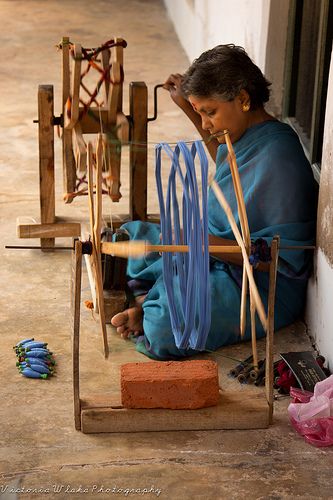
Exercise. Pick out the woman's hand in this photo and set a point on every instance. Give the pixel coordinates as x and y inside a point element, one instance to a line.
<point>173,85</point>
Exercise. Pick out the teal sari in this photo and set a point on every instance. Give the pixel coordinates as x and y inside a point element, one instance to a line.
<point>281,198</point>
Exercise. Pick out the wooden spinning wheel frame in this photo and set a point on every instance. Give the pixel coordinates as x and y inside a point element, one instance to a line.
<point>79,118</point>
<point>236,410</point>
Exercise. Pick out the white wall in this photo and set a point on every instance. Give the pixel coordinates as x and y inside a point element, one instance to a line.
<point>202,24</point>
<point>319,315</point>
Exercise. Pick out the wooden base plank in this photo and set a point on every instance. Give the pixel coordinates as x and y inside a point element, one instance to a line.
<point>236,410</point>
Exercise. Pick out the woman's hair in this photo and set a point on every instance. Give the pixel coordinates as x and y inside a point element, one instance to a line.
<point>222,72</point>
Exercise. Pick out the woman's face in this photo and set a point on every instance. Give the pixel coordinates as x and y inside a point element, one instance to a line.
<point>217,116</point>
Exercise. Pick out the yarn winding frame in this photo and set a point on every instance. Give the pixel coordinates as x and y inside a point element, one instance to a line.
<point>80,118</point>
<point>236,409</point>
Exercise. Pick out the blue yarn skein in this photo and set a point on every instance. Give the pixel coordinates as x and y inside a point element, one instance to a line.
<point>189,272</point>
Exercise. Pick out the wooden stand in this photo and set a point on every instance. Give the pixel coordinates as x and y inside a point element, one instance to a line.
<point>75,121</point>
<point>236,410</point>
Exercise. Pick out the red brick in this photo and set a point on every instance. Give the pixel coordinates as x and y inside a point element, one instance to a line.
<point>170,384</point>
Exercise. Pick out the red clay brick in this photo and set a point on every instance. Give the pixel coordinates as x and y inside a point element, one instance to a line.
<point>169,384</point>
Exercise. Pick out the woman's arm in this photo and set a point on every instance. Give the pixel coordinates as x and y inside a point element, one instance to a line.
<point>173,85</point>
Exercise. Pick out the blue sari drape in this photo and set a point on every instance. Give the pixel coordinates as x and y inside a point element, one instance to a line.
<point>280,196</point>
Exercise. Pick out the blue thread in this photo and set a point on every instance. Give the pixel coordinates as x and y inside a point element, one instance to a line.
<point>187,271</point>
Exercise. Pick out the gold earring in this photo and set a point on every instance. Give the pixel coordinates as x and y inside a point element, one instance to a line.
<point>246,107</point>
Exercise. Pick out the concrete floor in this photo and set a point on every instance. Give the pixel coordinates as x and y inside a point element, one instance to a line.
<point>39,445</point>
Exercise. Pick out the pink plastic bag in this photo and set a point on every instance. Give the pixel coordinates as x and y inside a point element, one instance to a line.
<point>313,417</point>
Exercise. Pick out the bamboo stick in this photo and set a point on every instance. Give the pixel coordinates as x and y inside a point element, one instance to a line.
<point>95,215</point>
<point>243,223</point>
<point>253,287</point>
<point>247,241</point>
<point>97,238</point>
<point>238,189</point>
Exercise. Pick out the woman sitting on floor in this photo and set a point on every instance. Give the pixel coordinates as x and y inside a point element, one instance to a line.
<point>224,89</point>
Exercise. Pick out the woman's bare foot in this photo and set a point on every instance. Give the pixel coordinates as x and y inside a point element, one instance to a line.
<point>130,321</point>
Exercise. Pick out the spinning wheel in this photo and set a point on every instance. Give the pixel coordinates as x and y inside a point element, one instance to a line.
<point>103,414</point>
<point>91,110</point>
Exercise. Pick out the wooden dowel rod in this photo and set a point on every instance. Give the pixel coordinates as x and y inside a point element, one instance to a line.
<point>184,248</point>
<point>138,248</point>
